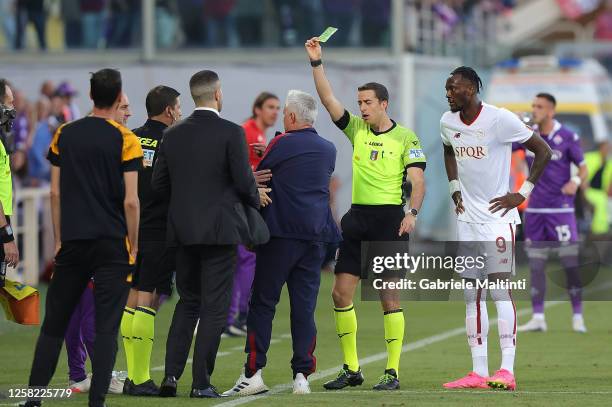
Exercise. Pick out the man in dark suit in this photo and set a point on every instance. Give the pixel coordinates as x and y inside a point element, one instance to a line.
<point>203,165</point>
<point>301,226</point>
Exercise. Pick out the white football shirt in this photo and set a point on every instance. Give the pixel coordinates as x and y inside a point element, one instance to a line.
<point>483,151</point>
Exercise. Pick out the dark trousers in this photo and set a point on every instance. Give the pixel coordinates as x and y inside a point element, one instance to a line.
<point>75,264</point>
<point>38,18</point>
<point>204,277</point>
<point>297,263</point>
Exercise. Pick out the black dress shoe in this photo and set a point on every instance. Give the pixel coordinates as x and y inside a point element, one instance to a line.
<point>208,393</point>
<point>147,388</point>
<point>168,387</point>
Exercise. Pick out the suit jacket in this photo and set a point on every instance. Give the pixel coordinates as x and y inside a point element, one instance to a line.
<point>302,163</point>
<point>203,165</point>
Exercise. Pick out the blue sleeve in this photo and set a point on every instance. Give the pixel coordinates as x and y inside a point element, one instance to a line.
<point>274,156</point>
<point>334,154</point>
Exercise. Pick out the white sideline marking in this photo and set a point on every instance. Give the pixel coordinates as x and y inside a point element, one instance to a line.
<point>229,352</point>
<point>189,361</point>
<point>421,343</point>
<point>483,391</point>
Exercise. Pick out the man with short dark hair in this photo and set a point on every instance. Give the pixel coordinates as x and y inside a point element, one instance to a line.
<point>9,254</point>
<point>95,228</point>
<point>203,166</point>
<point>155,262</point>
<point>385,156</point>
<point>477,139</point>
<point>550,219</point>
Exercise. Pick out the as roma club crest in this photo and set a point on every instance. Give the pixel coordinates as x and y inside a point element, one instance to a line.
<point>374,155</point>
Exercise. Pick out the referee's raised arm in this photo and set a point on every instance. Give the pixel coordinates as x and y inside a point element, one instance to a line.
<point>324,89</point>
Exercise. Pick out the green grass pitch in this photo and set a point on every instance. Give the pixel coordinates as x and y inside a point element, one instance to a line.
<point>556,368</point>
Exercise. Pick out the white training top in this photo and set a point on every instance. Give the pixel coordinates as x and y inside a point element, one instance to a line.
<point>483,151</point>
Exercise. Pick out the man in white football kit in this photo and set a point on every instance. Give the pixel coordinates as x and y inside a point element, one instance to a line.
<point>477,140</point>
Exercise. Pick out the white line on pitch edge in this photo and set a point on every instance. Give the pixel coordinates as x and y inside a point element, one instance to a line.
<point>421,343</point>
<point>229,352</point>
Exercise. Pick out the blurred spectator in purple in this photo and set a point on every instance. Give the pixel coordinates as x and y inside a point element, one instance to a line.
<point>38,166</point>
<point>70,109</point>
<point>7,17</point>
<point>340,14</point>
<point>122,21</point>
<point>92,22</point>
<point>220,23</point>
<point>71,16</point>
<point>375,23</point>
<point>21,125</point>
<point>30,11</point>
<point>447,15</point>
<point>166,21</point>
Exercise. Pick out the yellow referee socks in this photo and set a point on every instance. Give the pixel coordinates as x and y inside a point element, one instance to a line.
<point>394,336</point>
<point>346,328</point>
<point>126,333</point>
<point>143,333</point>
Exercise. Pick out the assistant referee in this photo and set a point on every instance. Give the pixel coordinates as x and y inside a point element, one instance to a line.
<point>95,210</point>
<point>384,152</point>
<point>156,262</point>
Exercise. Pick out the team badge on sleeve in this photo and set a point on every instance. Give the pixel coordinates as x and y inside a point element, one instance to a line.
<point>415,153</point>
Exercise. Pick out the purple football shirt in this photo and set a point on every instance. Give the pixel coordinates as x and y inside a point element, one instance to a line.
<point>565,145</point>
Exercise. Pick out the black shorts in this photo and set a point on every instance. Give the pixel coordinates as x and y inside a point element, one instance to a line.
<point>366,223</point>
<point>154,267</point>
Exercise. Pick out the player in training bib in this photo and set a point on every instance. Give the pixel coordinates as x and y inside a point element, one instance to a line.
<point>477,140</point>
<point>384,153</point>
<point>550,221</point>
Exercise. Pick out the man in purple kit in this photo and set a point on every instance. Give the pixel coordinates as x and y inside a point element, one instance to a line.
<point>550,215</point>
<point>79,341</point>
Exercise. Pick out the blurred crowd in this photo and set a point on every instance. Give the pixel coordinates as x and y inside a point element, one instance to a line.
<point>34,127</point>
<point>454,12</point>
<point>216,23</point>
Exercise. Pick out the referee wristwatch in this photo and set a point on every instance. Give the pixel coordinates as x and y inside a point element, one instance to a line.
<point>413,212</point>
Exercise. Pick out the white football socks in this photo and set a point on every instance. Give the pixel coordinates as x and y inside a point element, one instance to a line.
<point>477,329</point>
